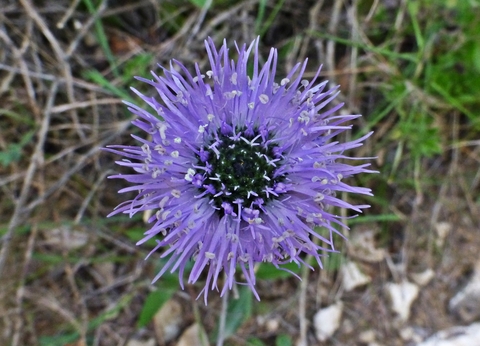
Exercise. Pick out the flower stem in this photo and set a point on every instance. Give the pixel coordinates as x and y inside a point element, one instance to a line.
<point>223,318</point>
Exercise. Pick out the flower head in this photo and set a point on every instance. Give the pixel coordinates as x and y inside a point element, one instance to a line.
<point>237,168</point>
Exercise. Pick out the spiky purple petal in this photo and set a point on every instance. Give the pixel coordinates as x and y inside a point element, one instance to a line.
<point>237,168</point>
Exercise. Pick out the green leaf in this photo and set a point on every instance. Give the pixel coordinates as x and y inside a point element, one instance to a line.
<point>153,303</point>
<point>59,340</point>
<point>262,4</point>
<point>96,77</point>
<point>476,56</point>
<point>333,261</point>
<point>269,21</point>
<point>137,66</point>
<point>199,3</point>
<point>255,342</point>
<point>102,38</point>
<point>283,340</point>
<point>238,311</point>
<point>23,116</point>
<point>267,271</point>
<point>13,152</point>
<point>374,218</point>
<point>412,57</point>
<point>454,102</point>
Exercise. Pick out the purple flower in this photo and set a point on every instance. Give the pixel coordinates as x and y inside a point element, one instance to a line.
<point>237,168</point>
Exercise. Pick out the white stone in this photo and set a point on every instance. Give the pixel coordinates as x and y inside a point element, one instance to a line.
<point>326,321</point>
<point>442,229</point>
<point>347,326</point>
<point>353,277</point>
<point>362,246</point>
<point>423,278</point>
<point>193,336</point>
<point>105,273</point>
<point>402,296</point>
<point>466,303</point>
<point>406,333</point>
<point>133,342</point>
<point>456,336</point>
<point>167,321</point>
<point>367,336</point>
<point>409,334</point>
<point>272,325</point>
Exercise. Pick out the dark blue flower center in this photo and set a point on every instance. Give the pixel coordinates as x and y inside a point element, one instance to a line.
<point>242,170</point>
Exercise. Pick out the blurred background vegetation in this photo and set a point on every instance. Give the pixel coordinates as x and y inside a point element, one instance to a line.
<point>72,277</point>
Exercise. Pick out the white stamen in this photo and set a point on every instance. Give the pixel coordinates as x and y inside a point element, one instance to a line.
<point>303,117</point>
<point>216,178</point>
<point>165,214</point>
<point>162,127</point>
<point>163,201</point>
<point>229,95</point>
<point>146,149</point>
<point>271,162</point>
<point>201,128</point>
<point>156,172</point>
<point>190,173</point>
<point>244,258</point>
<point>174,154</point>
<point>160,149</point>
<point>176,193</point>
<point>233,78</point>
<point>268,258</point>
<point>263,98</point>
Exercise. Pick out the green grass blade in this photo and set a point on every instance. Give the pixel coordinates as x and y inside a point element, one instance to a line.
<point>102,39</point>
